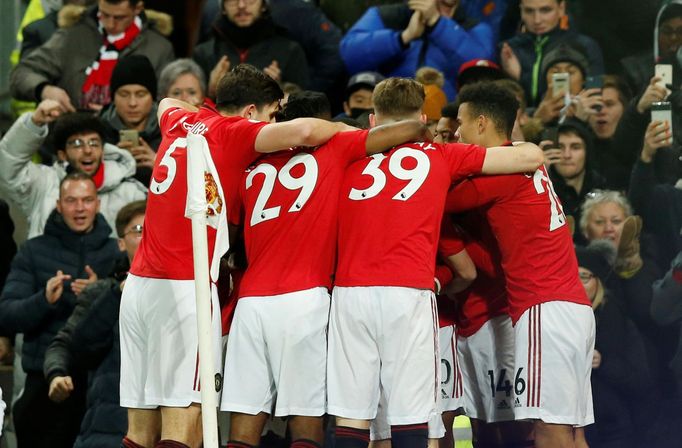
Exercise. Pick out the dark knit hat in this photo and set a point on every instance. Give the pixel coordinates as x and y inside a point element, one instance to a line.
<point>598,258</point>
<point>565,53</point>
<point>133,69</point>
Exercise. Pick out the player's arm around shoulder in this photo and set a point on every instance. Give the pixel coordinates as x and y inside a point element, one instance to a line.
<point>524,157</point>
<point>299,132</point>
<point>170,103</point>
<point>381,138</point>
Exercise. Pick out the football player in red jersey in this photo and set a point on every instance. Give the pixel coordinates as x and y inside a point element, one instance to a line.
<point>159,358</point>
<point>277,348</point>
<point>383,331</point>
<point>552,317</point>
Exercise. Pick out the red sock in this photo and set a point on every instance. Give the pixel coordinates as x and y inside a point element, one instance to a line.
<point>305,443</point>
<point>233,444</point>
<point>127,443</point>
<point>170,444</point>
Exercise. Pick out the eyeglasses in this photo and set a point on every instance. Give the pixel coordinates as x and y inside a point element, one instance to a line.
<point>234,3</point>
<point>79,143</point>
<point>137,228</point>
<point>585,277</point>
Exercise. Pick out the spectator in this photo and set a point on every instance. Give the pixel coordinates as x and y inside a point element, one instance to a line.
<point>434,99</point>
<point>659,204</point>
<point>133,85</point>
<point>245,33</point>
<point>522,55</point>
<point>489,11</point>
<point>570,168</point>
<point>183,79</point>
<point>78,138</point>
<point>633,126</point>
<point>447,125</point>
<point>398,39</point>
<point>38,32</point>
<point>358,95</point>
<point>621,380</point>
<point>89,340</point>
<point>606,155</point>
<point>74,67</point>
<point>46,276</point>
<point>478,70</point>
<point>7,245</point>
<point>638,69</point>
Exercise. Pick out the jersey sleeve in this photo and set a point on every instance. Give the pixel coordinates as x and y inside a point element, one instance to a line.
<point>240,142</point>
<point>171,116</point>
<point>347,147</point>
<point>451,240</point>
<point>475,192</point>
<point>463,160</point>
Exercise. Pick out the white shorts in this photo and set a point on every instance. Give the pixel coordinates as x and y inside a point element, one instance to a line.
<point>451,381</point>
<point>383,339</point>
<point>487,361</point>
<point>553,361</point>
<point>277,355</point>
<point>159,343</point>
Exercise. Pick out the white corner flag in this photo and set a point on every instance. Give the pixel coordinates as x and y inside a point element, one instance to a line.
<point>205,206</point>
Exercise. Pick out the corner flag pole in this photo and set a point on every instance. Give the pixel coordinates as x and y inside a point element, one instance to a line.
<point>197,212</point>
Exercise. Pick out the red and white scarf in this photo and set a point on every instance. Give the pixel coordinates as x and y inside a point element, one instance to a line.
<point>96,85</point>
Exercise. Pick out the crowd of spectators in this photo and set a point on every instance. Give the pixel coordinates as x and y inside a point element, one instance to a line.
<point>78,166</point>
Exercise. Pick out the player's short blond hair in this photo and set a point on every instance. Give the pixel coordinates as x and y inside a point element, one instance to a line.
<point>398,97</point>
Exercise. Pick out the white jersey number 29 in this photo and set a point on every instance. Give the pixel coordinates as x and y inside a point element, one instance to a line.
<point>416,175</point>
<point>305,183</point>
<point>557,218</point>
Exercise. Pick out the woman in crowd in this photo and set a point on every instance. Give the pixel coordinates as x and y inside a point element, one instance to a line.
<point>183,79</point>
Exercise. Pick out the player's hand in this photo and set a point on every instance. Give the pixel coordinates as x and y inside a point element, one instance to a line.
<point>78,285</point>
<point>144,154</point>
<point>657,136</point>
<point>549,108</point>
<point>59,95</point>
<point>653,93</point>
<point>586,103</point>
<point>414,29</point>
<point>428,9</point>
<point>55,287</point>
<point>510,62</point>
<point>596,360</point>
<point>273,71</point>
<point>60,388</point>
<point>47,112</point>
<point>220,70</point>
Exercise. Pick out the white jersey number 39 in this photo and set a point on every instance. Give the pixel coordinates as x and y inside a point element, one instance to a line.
<point>556,212</point>
<point>416,175</point>
<point>305,183</point>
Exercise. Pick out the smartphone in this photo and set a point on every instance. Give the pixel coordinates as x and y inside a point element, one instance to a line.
<point>595,82</point>
<point>560,83</point>
<point>662,111</point>
<point>551,134</point>
<point>665,72</point>
<point>129,135</point>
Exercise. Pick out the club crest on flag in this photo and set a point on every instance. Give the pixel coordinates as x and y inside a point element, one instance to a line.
<point>214,202</point>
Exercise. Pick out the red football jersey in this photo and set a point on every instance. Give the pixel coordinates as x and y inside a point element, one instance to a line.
<point>165,250</point>
<point>290,202</point>
<point>487,296</point>
<point>530,227</point>
<point>390,213</point>
<point>451,242</point>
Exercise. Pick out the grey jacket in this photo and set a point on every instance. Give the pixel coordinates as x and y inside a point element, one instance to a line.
<point>62,60</point>
<point>35,188</point>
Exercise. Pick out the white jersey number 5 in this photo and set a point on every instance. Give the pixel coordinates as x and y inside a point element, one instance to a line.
<point>305,183</point>
<point>169,162</point>
<point>557,218</point>
<point>416,175</point>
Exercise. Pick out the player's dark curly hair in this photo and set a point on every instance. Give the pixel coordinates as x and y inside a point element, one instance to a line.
<point>75,123</point>
<point>306,104</point>
<point>245,85</point>
<point>492,101</point>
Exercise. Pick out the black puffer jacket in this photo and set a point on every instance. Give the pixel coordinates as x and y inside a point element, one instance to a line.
<point>23,306</point>
<point>95,345</point>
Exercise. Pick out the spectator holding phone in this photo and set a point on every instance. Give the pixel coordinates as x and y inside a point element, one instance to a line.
<point>130,119</point>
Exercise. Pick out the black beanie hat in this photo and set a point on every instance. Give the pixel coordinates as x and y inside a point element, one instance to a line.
<point>597,257</point>
<point>565,53</point>
<point>133,69</point>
